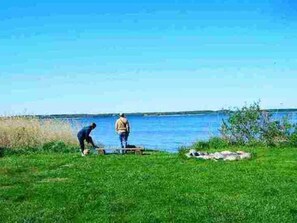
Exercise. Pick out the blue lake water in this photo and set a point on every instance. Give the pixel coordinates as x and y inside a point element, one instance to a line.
<point>166,133</point>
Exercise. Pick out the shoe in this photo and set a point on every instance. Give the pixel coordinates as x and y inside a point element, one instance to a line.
<point>83,154</point>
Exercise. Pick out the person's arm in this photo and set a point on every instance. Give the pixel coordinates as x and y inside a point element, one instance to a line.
<point>90,140</point>
<point>128,127</point>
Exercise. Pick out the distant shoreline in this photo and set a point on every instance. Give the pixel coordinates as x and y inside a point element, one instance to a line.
<point>154,113</point>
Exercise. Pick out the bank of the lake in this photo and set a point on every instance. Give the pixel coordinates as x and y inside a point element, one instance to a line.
<point>160,187</point>
<point>167,133</point>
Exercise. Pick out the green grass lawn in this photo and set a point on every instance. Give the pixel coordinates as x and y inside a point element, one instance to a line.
<point>159,187</point>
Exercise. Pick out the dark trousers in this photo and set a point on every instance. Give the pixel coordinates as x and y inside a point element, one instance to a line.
<point>81,144</point>
<point>124,139</point>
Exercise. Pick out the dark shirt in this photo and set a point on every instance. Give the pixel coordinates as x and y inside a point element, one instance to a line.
<point>84,133</point>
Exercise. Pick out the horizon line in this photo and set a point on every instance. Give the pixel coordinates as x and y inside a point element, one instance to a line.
<point>145,113</point>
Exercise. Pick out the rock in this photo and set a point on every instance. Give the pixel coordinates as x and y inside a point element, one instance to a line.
<point>203,153</point>
<point>245,156</point>
<point>207,157</point>
<point>218,156</point>
<point>232,158</point>
<point>226,153</point>
<point>188,155</point>
<point>191,153</point>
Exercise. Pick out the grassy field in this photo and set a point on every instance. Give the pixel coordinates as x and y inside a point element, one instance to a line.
<point>160,187</point>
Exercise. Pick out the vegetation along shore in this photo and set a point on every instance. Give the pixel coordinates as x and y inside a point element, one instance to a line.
<point>43,178</point>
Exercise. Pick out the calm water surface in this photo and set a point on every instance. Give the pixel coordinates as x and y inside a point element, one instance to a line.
<point>166,133</point>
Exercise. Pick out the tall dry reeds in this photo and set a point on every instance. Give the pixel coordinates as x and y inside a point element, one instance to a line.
<point>31,132</point>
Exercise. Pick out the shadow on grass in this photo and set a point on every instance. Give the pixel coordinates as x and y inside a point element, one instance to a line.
<point>125,154</point>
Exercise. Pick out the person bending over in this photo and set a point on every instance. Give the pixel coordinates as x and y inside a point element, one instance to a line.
<point>84,134</point>
<point>122,127</point>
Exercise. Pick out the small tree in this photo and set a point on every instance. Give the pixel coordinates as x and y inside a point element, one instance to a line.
<point>243,125</point>
<point>250,125</point>
<point>293,137</point>
<point>275,133</point>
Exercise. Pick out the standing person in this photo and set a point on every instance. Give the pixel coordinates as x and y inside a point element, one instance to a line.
<point>122,127</point>
<point>84,134</point>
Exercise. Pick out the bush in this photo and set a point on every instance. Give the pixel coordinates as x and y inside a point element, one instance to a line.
<point>200,145</point>
<point>218,143</point>
<point>182,151</point>
<point>212,143</point>
<point>243,125</point>
<point>293,138</point>
<point>58,147</point>
<point>252,126</point>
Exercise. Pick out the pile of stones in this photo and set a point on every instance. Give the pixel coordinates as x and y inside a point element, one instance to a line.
<point>224,155</point>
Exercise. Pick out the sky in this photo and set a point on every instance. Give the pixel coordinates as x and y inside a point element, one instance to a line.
<point>71,57</point>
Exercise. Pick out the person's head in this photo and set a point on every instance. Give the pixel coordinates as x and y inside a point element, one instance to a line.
<point>93,125</point>
<point>122,115</point>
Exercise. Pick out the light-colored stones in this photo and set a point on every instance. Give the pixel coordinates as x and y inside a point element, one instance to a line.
<point>232,157</point>
<point>218,156</point>
<point>245,156</point>
<point>224,155</point>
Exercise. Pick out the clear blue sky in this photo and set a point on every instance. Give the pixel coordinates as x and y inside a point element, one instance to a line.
<point>133,56</point>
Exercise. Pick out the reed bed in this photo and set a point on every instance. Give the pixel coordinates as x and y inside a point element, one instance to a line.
<point>31,132</point>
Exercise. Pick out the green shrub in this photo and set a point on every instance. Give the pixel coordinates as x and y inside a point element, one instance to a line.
<point>182,151</point>
<point>19,151</point>
<point>277,133</point>
<point>58,146</point>
<point>200,145</point>
<point>293,139</point>
<point>212,143</point>
<point>218,143</point>
<point>252,126</point>
<point>243,125</point>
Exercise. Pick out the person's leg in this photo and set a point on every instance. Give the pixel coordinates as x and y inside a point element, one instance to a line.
<point>121,136</point>
<point>82,144</point>
<point>127,136</point>
<point>125,139</point>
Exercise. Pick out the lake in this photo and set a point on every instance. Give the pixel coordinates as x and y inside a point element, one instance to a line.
<point>165,133</point>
